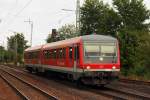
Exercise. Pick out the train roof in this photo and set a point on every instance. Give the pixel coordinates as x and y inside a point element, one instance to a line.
<point>34,48</point>
<point>72,41</point>
<point>62,43</point>
<point>95,37</point>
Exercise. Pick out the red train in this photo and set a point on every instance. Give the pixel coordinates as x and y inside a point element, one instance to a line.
<point>92,59</point>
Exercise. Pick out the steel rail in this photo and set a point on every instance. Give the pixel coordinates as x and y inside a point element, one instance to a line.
<point>127,93</point>
<point>16,90</point>
<point>32,85</point>
<point>131,94</point>
<point>135,81</point>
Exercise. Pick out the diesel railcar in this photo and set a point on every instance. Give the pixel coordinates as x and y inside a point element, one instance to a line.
<point>92,59</point>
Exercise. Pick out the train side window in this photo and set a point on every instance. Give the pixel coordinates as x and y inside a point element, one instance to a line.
<point>47,54</point>
<point>60,53</point>
<point>33,55</point>
<point>70,52</point>
<point>26,55</point>
<point>76,52</point>
<point>64,53</point>
<point>52,54</point>
<point>30,55</point>
<point>37,54</point>
<point>55,53</point>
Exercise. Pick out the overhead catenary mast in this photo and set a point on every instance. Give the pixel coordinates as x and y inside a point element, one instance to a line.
<point>78,17</point>
<point>31,23</point>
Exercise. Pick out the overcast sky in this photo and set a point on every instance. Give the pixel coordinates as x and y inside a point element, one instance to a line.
<point>45,14</point>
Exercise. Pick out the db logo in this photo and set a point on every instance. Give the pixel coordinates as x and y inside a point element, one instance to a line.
<point>101,66</point>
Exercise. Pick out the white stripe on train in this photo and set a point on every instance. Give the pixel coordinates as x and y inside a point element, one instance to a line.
<point>58,68</point>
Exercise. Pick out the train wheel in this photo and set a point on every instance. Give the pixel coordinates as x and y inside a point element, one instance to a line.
<point>101,86</point>
<point>79,83</point>
<point>38,72</point>
<point>29,69</point>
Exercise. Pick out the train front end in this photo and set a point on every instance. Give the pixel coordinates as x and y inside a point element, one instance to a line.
<point>101,59</point>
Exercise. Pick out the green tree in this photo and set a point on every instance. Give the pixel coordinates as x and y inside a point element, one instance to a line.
<point>133,14</point>
<point>5,55</point>
<point>98,17</point>
<point>48,39</point>
<point>133,34</point>
<point>65,32</point>
<point>2,50</point>
<point>17,42</point>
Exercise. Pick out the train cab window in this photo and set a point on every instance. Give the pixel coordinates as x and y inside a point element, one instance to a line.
<point>92,50</point>
<point>108,50</point>
<point>70,53</point>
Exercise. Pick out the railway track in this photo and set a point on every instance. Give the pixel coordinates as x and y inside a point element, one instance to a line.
<point>128,94</point>
<point>134,81</point>
<point>63,92</point>
<point>15,89</point>
<point>118,94</point>
<point>26,90</point>
<point>111,92</point>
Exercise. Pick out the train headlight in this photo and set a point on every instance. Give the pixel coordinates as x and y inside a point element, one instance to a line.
<point>88,67</point>
<point>101,59</point>
<point>114,67</point>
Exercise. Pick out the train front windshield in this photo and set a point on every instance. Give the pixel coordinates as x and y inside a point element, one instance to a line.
<point>100,53</point>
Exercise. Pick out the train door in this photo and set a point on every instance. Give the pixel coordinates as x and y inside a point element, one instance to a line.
<point>76,60</point>
<point>70,60</point>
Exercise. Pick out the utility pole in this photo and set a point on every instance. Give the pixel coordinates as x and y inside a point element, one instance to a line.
<point>78,17</point>
<point>77,12</point>
<point>16,48</point>
<point>31,23</point>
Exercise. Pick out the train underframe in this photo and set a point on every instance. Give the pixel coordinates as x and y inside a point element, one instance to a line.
<point>99,78</point>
